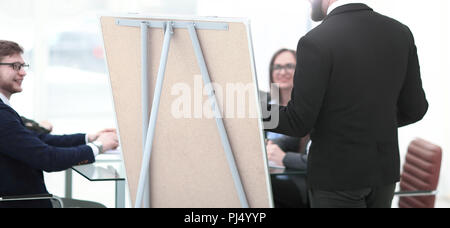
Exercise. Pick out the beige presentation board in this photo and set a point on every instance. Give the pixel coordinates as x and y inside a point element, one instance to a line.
<point>188,166</point>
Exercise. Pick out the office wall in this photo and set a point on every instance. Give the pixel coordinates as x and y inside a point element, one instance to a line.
<point>275,25</point>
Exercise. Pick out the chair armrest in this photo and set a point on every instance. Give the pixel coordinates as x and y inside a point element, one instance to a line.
<point>26,197</point>
<point>415,193</point>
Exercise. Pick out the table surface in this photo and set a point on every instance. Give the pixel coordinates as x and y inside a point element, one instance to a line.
<point>284,171</point>
<point>107,167</point>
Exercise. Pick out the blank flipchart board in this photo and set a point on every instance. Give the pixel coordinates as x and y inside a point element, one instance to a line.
<point>188,166</point>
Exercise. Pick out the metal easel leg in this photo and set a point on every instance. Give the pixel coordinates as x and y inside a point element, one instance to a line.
<point>144,97</point>
<point>144,177</point>
<point>219,119</point>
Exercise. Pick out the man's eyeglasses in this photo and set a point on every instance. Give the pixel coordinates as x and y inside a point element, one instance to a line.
<point>16,66</point>
<point>287,67</point>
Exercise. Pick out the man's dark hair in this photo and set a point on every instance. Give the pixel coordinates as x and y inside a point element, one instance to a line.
<point>8,48</point>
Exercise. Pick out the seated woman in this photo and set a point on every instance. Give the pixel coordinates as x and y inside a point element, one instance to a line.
<point>282,150</point>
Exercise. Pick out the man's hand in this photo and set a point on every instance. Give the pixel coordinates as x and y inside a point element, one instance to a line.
<point>93,137</point>
<point>47,125</point>
<point>275,153</point>
<point>109,140</point>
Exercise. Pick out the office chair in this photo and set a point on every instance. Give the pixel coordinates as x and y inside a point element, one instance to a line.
<point>420,175</point>
<point>56,202</point>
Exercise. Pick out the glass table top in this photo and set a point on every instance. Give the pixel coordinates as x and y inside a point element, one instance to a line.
<point>283,171</point>
<point>110,167</point>
<point>106,168</point>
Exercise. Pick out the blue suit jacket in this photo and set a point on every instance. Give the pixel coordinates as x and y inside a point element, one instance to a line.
<point>24,155</point>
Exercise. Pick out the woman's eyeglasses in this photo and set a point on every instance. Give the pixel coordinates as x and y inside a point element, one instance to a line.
<point>16,66</point>
<point>287,67</point>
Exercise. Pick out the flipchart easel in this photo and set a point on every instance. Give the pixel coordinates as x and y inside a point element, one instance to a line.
<point>150,122</point>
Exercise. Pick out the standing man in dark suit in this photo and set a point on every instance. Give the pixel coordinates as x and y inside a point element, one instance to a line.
<point>25,154</point>
<point>357,80</point>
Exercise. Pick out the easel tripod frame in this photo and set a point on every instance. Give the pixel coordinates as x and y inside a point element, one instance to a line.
<point>143,193</point>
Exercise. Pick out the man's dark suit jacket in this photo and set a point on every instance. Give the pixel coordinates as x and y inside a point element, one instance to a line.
<point>24,155</point>
<point>357,80</point>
